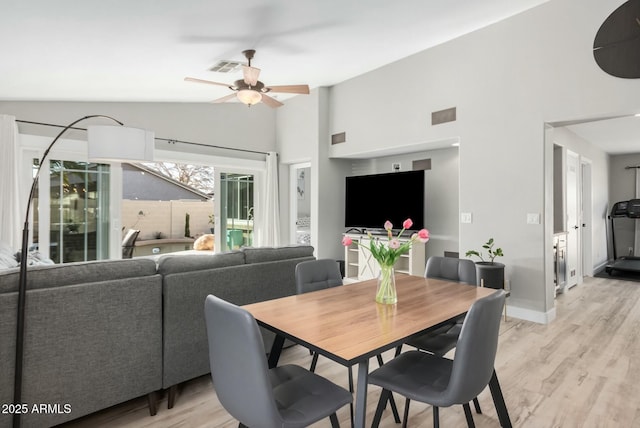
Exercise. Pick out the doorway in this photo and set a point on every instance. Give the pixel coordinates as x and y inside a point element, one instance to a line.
<point>300,215</point>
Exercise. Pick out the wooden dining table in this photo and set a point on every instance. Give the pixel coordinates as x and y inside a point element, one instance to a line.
<point>348,326</point>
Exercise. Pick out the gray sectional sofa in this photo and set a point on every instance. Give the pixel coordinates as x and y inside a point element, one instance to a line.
<point>101,333</point>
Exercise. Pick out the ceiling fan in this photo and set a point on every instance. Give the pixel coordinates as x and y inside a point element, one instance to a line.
<point>249,90</point>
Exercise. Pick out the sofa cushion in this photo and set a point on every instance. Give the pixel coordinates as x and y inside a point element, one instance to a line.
<point>176,263</point>
<point>266,254</point>
<point>46,276</point>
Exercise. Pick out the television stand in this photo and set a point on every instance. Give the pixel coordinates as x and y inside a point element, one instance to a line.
<point>360,264</point>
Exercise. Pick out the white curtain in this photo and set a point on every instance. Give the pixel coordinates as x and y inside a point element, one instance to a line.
<point>10,221</point>
<point>269,232</point>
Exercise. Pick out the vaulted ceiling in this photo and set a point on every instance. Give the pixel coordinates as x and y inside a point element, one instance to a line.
<point>123,50</point>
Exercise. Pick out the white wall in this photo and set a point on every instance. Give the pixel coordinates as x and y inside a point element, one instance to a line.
<point>506,81</point>
<point>302,136</point>
<point>228,125</point>
<point>441,193</point>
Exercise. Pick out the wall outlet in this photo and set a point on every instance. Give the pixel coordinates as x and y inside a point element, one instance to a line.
<point>395,166</point>
<point>631,251</point>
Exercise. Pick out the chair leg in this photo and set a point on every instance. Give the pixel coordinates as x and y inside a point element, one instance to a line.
<point>392,402</point>
<point>468,415</point>
<point>173,390</point>
<point>394,409</point>
<point>398,350</point>
<point>382,403</point>
<point>405,420</point>
<point>334,421</point>
<point>152,399</point>
<point>476,404</point>
<point>436,417</point>
<point>314,361</point>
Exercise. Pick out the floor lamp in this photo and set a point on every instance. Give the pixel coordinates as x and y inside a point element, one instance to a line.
<point>106,143</point>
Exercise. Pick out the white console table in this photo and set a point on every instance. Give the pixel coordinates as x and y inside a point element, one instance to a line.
<point>359,264</point>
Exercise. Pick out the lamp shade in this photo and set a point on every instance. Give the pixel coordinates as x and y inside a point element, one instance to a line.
<point>249,96</point>
<point>120,144</point>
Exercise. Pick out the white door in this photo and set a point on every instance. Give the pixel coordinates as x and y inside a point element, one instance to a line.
<point>573,220</point>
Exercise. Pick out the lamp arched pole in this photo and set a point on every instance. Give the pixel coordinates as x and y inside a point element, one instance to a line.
<point>22,282</point>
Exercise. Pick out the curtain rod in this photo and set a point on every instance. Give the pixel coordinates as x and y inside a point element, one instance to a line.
<point>168,140</point>
<point>632,167</point>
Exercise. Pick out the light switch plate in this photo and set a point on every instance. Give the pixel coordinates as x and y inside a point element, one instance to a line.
<point>533,218</point>
<point>466,218</point>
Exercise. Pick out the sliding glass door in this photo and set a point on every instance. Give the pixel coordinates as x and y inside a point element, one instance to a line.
<point>78,211</point>
<point>236,199</point>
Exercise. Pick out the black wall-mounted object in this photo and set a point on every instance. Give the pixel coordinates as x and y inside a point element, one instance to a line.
<point>370,200</point>
<point>616,47</point>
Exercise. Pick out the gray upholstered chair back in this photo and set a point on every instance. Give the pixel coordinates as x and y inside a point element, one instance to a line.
<point>452,269</point>
<point>238,364</point>
<point>314,275</point>
<point>476,350</point>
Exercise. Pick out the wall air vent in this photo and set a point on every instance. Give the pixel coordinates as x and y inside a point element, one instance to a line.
<point>225,66</point>
<point>338,138</point>
<point>443,116</point>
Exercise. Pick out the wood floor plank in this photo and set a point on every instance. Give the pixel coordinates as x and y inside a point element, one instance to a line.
<point>582,370</point>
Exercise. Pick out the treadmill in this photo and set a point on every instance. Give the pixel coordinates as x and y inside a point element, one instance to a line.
<point>627,264</point>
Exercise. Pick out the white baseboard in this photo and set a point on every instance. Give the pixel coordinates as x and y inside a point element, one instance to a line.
<point>531,315</point>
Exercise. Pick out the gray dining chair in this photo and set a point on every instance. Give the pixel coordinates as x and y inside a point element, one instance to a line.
<point>314,275</point>
<point>285,396</point>
<point>442,382</point>
<point>443,339</point>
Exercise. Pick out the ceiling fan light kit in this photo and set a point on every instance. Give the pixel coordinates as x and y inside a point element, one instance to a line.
<point>249,90</point>
<point>249,96</point>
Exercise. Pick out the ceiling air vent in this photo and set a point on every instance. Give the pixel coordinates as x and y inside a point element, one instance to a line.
<point>225,66</point>
<point>339,138</point>
<point>443,116</point>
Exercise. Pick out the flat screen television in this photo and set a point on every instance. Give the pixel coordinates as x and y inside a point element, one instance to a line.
<point>370,200</point>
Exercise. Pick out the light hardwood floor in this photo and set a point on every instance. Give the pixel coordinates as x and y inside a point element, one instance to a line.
<point>582,370</point>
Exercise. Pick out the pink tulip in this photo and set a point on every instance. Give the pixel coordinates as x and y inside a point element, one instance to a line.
<point>423,235</point>
<point>407,224</point>
<point>388,225</point>
<point>394,244</point>
<point>346,241</point>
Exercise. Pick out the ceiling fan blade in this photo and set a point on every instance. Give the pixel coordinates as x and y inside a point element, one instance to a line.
<point>271,102</point>
<point>225,98</point>
<point>290,89</point>
<point>250,75</point>
<point>209,82</point>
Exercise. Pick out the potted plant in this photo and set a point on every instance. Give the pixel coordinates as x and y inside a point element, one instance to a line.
<point>212,222</point>
<point>489,272</point>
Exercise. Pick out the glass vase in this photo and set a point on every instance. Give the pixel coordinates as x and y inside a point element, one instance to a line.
<point>386,292</point>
